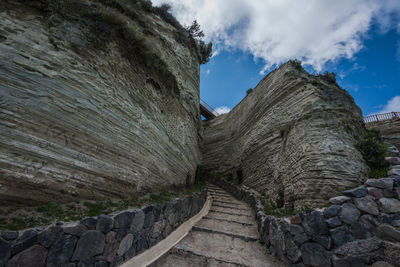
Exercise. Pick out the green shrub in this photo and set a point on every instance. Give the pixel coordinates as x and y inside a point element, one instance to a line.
<point>374,151</point>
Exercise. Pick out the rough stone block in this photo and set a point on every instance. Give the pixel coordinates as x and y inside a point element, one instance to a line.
<point>367,204</point>
<point>360,191</point>
<point>349,213</point>
<point>61,251</point>
<point>27,239</point>
<point>314,254</point>
<point>47,237</point>
<point>332,210</point>
<point>90,244</point>
<point>389,205</point>
<point>123,219</point>
<point>104,223</point>
<point>33,256</point>
<point>380,183</point>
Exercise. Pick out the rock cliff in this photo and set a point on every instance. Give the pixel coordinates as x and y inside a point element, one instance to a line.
<point>88,111</point>
<point>292,138</point>
<point>390,130</point>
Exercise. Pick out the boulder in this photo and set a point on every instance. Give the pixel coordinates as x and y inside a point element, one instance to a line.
<point>349,213</point>
<point>380,183</point>
<point>137,221</point>
<point>47,237</point>
<point>341,235</point>
<point>339,200</point>
<point>61,251</point>
<point>299,239</point>
<point>5,251</point>
<point>27,239</point>
<point>368,250</point>
<point>314,223</point>
<point>314,254</point>
<point>364,227</point>
<point>293,253</point>
<point>74,229</point>
<point>9,235</point>
<point>104,223</point>
<point>110,251</point>
<point>33,256</point>
<point>90,244</point>
<point>388,232</point>
<point>334,221</point>
<point>391,252</point>
<point>389,205</point>
<point>360,191</point>
<point>381,264</point>
<point>377,193</point>
<point>367,204</point>
<point>332,210</point>
<point>90,223</point>
<point>123,219</point>
<point>125,245</point>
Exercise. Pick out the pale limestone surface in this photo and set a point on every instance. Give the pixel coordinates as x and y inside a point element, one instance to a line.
<point>390,130</point>
<point>295,131</point>
<point>83,123</point>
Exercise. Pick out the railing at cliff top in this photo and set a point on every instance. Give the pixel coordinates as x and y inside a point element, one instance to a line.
<point>207,111</point>
<point>382,117</point>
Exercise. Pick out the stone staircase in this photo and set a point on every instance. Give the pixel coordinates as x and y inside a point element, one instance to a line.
<point>226,236</point>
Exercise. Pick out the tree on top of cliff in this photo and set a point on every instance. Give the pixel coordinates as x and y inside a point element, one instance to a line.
<point>204,50</point>
<point>194,30</point>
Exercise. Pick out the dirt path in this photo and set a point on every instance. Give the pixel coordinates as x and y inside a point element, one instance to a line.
<point>226,236</point>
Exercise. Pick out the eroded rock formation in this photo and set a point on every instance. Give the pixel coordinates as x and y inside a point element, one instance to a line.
<point>389,129</point>
<point>84,117</point>
<point>292,138</point>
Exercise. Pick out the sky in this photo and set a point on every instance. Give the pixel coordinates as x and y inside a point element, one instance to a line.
<point>359,40</point>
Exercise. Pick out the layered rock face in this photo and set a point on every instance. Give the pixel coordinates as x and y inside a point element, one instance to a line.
<point>292,138</point>
<point>390,130</point>
<point>80,121</point>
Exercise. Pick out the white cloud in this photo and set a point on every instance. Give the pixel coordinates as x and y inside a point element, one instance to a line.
<point>314,31</point>
<point>393,105</point>
<point>222,110</point>
<point>208,71</point>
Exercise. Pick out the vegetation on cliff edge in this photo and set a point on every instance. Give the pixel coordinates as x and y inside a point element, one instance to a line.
<point>374,151</point>
<point>125,22</point>
<point>22,218</point>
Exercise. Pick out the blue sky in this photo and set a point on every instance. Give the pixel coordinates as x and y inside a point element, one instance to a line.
<point>371,76</point>
<point>357,39</point>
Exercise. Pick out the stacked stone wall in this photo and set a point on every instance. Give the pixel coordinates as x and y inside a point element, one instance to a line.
<point>360,228</point>
<point>102,241</point>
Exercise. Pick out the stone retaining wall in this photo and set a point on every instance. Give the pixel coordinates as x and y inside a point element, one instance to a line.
<point>359,228</point>
<point>102,241</point>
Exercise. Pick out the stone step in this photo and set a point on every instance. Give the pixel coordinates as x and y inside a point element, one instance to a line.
<point>220,192</point>
<point>241,219</point>
<point>247,212</point>
<point>208,230</point>
<point>229,207</point>
<point>179,257</point>
<point>229,228</point>
<point>216,190</point>
<point>231,212</point>
<point>226,199</point>
<point>226,248</point>
<point>224,196</point>
<point>244,224</point>
<point>230,204</point>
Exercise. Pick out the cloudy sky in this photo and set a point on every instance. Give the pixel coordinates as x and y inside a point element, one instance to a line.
<point>357,39</point>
